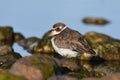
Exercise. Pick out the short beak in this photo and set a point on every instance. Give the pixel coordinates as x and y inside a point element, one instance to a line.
<point>50,33</point>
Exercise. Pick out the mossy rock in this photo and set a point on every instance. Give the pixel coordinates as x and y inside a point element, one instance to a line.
<point>95,37</point>
<point>45,46</point>
<point>9,76</point>
<point>7,56</point>
<point>106,47</point>
<point>85,74</point>
<point>18,36</point>
<point>29,43</point>
<point>6,35</point>
<point>7,60</point>
<point>45,64</point>
<point>34,67</point>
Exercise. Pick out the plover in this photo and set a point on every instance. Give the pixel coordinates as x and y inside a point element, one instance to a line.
<point>68,42</point>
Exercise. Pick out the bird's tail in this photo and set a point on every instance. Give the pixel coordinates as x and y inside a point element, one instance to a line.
<point>91,51</point>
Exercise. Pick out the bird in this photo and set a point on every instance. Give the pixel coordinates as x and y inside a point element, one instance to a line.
<point>68,42</point>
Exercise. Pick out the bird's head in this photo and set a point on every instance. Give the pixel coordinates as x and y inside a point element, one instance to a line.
<point>57,28</point>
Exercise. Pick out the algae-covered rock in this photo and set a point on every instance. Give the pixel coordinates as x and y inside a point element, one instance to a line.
<point>36,67</point>
<point>7,56</point>
<point>95,21</point>
<point>29,43</point>
<point>62,77</point>
<point>9,76</point>
<point>8,59</point>
<point>5,49</point>
<point>18,36</point>
<point>115,76</point>
<point>96,69</point>
<point>45,46</point>
<point>95,37</point>
<point>106,47</point>
<point>6,35</point>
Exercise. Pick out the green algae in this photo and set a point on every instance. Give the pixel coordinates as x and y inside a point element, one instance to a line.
<point>46,65</point>
<point>8,76</point>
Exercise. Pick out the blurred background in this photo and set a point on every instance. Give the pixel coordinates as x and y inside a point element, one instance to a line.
<point>35,17</point>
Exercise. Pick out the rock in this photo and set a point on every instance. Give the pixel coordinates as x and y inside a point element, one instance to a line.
<point>104,46</point>
<point>70,64</point>
<point>8,76</point>
<point>62,77</point>
<point>5,49</point>
<point>45,63</point>
<point>96,70</point>
<point>29,43</point>
<point>95,37</point>
<point>36,67</point>
<point>108,77</point>
<point>95,21</point>
<point>7,56</point>
<point>6,35</point>
<point>18,37</point>
<point>45,45</point>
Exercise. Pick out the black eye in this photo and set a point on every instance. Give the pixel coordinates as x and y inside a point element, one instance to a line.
<point>58,29</point>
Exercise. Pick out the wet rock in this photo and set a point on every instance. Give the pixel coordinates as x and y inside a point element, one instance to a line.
<point>29,43</point>
<point>7,56</point>
<point>95,37</point>
<point>36,67</point>
<point>104,45</point>
<point>46,63</point>
<point>108,77</point>
<point>96,70</point>
<point>5,49</point>
<point>8,76</point>
<point>78,69</point>
<point>8,59</point>
<point>6,35</point>
<point>95,21</point>
<point>45,46</point>
<point>18,36</point>
<point>62,77</point>
<point>71,64</point>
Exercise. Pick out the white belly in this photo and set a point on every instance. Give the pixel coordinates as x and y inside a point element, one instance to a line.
<point>64,52</point>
